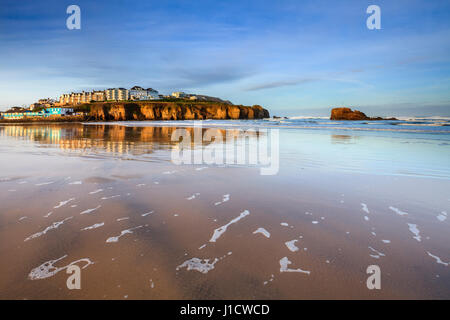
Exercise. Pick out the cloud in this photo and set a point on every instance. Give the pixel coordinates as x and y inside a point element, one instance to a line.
<point>300,81</point>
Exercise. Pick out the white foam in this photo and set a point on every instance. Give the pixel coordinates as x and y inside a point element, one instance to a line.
<point>377,254</point>
<point>225,198</point>
<point>197,264</point>
<point>124,218</point>
<point>63,203</point>
<point>270,280</point>
<point>263,231</point>
<point>284,224</point>
<point>22,218</point>
<point>193,196</point>
<point>169,172</point>
<point>94,226</point>
<point>413,228</point>
<point>398,211</point>
<point>366,218</point>
<point>122,233</point>
<point>76,183</point>
<point>219,231</point>
<point>364,208</point>
<point>111,197</point>
<point>291,245</point>
<point>314,222</point>
<point>152,284</point>
<point>201,247</point>
<point>141,185</point>
<point>442,217</point>
<point>201,265</point>
<point>201,168</point>
<point>48,214</point>
<point>90,210</point>
<point>284,263</point>
<point>146,214</point>
<point>96,191</point>
<point>47,269</point>
<point>438,260</point>
<point>54,225</point>
<point>44,183</point>
<point>386,241</point>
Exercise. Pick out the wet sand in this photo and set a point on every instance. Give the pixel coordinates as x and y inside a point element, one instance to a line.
<point>110,195</point>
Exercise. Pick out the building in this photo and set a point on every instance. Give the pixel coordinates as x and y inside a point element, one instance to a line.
<point>139,93</point>
<point>64,99</point>
<point>57,111</point>
<point>98,95</point>
<point>179,94</point>
<point>117,94</point>
<point>20,114</point>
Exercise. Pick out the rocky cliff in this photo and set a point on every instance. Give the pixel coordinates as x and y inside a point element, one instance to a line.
<point>173,111</point>
<point>349,114</point>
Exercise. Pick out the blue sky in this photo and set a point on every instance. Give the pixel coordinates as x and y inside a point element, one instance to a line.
<point>296,57</point>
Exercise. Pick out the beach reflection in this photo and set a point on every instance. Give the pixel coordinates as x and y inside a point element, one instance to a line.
<point>111,138</point>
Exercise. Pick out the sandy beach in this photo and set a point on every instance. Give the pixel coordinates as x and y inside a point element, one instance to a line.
<point>108,199</point>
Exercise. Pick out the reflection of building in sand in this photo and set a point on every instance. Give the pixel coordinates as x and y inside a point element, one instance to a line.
<point>110,139</point>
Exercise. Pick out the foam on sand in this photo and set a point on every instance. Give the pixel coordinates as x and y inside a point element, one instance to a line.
<point>398,211</point>
<point>44,183</point>
<point>263,231</point>
<point>63,203</point>
<point>193,196</point>
<point>197,264</point>
<point>413,228</point>
<point>47,269</point>
<point>96,191</point>
<point>146,214</point>
<point>219,231</point>
<point>90,210</point>
<point>438,260</point>
<point>291,245</point>
<point>442,217</point>
<point>122,233</point>
<point>200,265</point>
<point>54,225</point>
<point>364,208</point>
<point>94,226</point>
<point>111,197</point>
<point>124,218</point>
<point>284,263</point>
<point>225,198</point>
<point>377,254</point>
<point>76,183</point>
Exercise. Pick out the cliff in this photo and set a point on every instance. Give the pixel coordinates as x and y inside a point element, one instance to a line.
<point>149,110</point>
<point>349,114</point>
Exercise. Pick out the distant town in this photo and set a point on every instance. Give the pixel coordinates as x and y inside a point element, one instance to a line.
<point>65,105</point>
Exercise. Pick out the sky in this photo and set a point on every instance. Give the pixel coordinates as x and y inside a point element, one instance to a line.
<point>293,57</point>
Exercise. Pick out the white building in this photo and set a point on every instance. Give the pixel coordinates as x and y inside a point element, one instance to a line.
<point>139,93</point>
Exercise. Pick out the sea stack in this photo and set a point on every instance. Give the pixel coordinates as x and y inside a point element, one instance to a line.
<point>349,114</point>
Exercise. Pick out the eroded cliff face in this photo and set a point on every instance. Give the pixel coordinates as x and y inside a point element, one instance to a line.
<point>173,111</point>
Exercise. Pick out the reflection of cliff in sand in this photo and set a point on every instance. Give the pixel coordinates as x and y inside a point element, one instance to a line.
<point>112,139</point>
